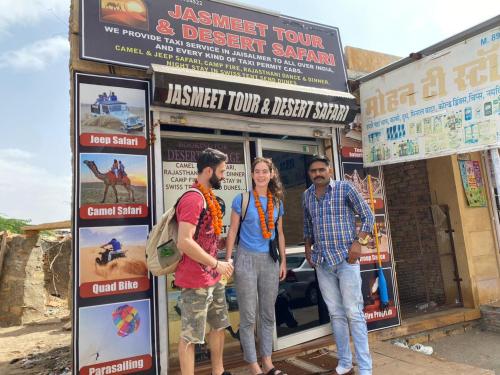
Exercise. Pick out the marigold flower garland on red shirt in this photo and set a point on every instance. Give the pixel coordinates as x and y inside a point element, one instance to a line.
<point>266,228</point>
<point>213,207</point>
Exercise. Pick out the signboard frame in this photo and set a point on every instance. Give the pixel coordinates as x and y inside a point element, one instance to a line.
<point>451,105</point>
<point>119,290</point>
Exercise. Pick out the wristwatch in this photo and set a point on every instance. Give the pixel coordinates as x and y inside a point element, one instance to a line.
<point>364,241</point>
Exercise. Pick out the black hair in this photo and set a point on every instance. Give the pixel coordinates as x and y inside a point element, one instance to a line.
<point>321,158</point>
<point>209,157</point>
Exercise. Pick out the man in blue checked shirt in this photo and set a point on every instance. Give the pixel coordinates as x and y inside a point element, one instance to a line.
<point>333,247</point>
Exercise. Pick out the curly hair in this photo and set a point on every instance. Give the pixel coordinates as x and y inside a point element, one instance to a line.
<point>275,185</point>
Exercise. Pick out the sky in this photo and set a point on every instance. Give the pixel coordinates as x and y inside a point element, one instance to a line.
<point>35,153</point>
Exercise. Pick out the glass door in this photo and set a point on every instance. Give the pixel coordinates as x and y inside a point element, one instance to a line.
<point>300,311</point>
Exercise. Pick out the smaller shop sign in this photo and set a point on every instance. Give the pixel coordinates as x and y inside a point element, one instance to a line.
<point>472,181</point>
<point>446,103</point>
<point>243,96</point>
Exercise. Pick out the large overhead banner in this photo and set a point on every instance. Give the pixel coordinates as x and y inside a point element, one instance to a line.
<point>443,104</point>
<point>213,37</point>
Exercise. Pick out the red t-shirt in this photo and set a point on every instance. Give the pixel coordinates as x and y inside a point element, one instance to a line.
<point>190,273</point>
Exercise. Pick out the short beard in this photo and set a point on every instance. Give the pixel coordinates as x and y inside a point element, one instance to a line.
<point>215,182</point>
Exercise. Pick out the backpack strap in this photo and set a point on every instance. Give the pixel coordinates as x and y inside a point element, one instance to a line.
<point>203,212</point>
<point>245,199</point>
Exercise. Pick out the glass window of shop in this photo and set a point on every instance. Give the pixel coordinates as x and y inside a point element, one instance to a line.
<point>179,173</point>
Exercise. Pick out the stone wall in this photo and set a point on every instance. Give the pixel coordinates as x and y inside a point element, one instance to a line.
<point>33,269</point>
<point>22,291</point>
<point>413,234</point>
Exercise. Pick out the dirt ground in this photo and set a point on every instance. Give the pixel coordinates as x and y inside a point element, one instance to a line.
<point>475,347</point>
<point>36,349</point>
<point>45,349</point>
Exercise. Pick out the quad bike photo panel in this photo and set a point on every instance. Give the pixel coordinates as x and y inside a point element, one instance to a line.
<point>113,260</point>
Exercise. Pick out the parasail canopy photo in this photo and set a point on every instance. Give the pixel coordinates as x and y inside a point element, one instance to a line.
<point>120,336</point>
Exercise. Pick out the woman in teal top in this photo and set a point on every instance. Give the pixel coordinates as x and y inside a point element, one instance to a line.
<point>256,271</point>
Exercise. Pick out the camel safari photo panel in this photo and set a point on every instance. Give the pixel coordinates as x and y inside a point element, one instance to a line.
<point>115,298</point>
<point>113,185</point>
<point>113,260</point>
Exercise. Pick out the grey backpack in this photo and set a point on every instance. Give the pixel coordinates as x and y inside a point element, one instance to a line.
<point>162,254</point>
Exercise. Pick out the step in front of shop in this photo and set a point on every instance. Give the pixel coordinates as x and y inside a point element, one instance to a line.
<point>422,324</point>
<point>490,317</point>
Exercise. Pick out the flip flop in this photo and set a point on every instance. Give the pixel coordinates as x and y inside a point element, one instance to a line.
<point>275,371</point>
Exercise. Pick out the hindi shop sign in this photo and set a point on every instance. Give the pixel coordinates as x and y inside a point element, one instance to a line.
<point>233,97</point>
<point>450,105</point>
<point>213,37</point>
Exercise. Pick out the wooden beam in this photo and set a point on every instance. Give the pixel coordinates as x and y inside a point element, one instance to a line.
<point>48,226</point>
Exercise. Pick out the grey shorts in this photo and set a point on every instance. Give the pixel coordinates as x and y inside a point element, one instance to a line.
<point>200,306</point>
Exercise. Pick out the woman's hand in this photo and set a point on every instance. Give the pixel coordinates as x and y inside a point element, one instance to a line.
<point>282,270</point>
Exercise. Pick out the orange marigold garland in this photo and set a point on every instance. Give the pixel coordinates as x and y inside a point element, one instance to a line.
<point>266,228</point>
<point>213,207</point>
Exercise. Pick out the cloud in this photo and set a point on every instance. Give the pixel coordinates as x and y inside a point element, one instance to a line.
<point>454,19</point>
<point>15,153</point>
<point>31,192</point>
<point>29,12</point>
<point>36,55</point>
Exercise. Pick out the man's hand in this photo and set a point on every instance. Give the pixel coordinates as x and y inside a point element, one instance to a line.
<point>221,244</point>
<point>225,268</point>
<point>308,252</point>
<point>354,252</point>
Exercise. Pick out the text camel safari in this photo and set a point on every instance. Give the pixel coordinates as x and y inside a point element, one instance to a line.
<point>109,179</point>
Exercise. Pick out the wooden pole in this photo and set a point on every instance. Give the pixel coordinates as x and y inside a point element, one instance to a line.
<point>3,250</point>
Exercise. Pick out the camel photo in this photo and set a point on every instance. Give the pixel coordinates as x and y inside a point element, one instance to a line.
<point>109,179</point>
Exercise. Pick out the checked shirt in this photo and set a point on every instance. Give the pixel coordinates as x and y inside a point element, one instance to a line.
<point>330,221</point>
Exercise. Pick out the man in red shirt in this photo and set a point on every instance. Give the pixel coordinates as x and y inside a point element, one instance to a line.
<point>203,297</point>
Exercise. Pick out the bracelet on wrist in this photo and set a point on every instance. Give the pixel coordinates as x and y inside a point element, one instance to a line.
<point>216,264</point>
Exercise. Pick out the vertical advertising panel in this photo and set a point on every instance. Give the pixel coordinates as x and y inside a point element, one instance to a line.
<point>114,324</point>
<point>351,159</point>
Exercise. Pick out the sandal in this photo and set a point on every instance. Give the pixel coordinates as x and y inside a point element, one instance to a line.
<point>275,371</point>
